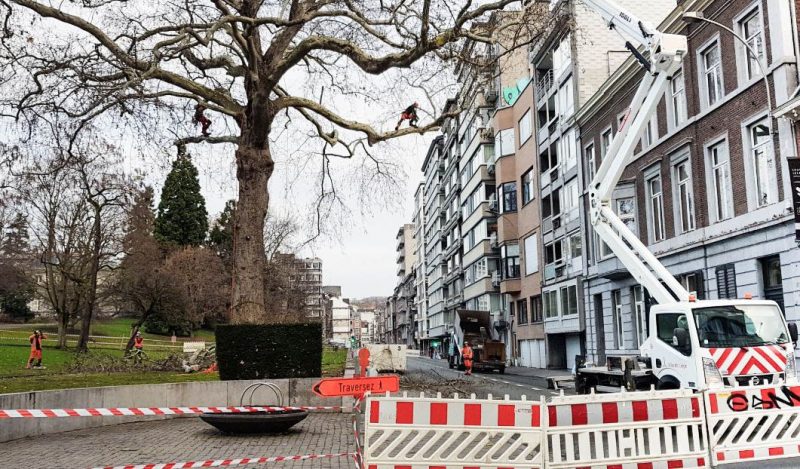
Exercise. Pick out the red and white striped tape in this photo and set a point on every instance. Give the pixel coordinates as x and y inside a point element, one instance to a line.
<point>598,413</point>
<point>143,411</point>
<point>226,462</point>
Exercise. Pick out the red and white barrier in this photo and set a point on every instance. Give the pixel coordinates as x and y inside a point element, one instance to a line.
<point>657,429</point>
<point>435,432</point>
<point>226,462</point>
<point>753,423</point>
<point>144,411</point>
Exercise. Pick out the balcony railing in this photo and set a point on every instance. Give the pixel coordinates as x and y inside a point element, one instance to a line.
<point>544,83</point>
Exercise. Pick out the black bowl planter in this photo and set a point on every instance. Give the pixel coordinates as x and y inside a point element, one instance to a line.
<point>255,422</point>
<point>272,351</point>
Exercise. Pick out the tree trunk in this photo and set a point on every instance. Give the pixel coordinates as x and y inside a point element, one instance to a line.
<point>253,169</point>
<point>86,320</point>
<point>134,329</point>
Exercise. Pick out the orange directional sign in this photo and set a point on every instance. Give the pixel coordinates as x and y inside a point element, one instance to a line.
<point>333,387</point>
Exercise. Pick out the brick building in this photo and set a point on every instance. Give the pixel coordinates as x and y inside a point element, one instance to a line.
<point>707,190</point>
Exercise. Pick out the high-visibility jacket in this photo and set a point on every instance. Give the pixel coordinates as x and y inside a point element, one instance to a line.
<point>467,353</point>
<point>138,342</point>
<point>36,342</point>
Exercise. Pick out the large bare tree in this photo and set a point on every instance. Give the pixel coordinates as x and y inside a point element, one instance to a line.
<point>251,64</point>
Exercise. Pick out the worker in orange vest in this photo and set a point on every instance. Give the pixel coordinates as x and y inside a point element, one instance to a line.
<point>467,355</point>
<point>36,349</point>
<point>138,341</point>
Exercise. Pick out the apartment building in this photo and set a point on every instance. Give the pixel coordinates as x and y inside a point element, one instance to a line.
<point>433,170</point>
<point>420,274</point>
<point>403,303</point>
<point>570,66</point>
<point>519,226</point>
<point>341,320</point>
<point>708,190</point>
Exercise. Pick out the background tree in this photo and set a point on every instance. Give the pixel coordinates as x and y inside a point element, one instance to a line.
<point>200,277</point>
<point>182,218</point>
<point>143,286</point>
<point>255,66</point>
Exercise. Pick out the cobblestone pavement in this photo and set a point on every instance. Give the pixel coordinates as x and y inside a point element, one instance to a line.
<point>182,439</point>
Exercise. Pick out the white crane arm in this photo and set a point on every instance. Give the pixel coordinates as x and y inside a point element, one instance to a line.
<point>665,56</point>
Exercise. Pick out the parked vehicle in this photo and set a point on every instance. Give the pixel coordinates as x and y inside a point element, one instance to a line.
<point>476,328</point>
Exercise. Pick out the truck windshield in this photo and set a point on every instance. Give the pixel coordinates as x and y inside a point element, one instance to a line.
<point>742,326</point>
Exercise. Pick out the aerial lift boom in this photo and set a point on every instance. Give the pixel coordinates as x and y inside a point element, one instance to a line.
<point>665,54</point>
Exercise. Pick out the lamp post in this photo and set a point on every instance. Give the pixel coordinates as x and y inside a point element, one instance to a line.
<point>693,17</point>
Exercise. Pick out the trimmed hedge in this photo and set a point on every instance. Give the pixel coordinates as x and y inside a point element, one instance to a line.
<point>271,351</point>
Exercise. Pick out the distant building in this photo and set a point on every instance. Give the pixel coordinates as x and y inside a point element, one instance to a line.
<point>341,321</point>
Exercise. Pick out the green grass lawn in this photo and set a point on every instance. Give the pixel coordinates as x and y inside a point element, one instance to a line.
<point>15,378</point>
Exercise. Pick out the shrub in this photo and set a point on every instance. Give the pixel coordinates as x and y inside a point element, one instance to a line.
<point>273,351</point>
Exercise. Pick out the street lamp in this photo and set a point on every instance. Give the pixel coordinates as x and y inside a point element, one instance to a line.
<point>693,17</point>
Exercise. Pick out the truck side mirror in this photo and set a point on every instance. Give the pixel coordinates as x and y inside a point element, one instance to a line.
<point>680,338</point>
<point>793,331</point>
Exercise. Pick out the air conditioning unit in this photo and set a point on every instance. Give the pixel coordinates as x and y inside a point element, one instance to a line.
<point>496,279</point>
<point>490,168</point>
<point>493,240</point>
<point>491,94</point>
<point>493,202</point>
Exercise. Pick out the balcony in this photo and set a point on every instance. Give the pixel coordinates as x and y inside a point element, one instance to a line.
<point>453,273</point>
<point>544,84</point>
<point>554,270</point>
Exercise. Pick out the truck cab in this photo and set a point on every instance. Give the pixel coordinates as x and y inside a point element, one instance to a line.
<point>722,343</point>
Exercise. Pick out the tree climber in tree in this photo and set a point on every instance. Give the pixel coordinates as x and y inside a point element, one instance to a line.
<point>200,118</point>
<point>410,114</point>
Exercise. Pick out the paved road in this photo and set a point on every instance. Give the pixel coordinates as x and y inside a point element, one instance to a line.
<point>483,383</point>
<point>182,439</point>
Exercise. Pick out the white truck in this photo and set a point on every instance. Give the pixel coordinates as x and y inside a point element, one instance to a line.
<point>691,344</point>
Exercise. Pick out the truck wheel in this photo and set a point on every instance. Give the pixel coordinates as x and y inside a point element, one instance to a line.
<point>668,382</point>
<point>502,370</point>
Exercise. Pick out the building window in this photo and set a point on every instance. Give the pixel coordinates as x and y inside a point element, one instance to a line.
<point>650,133</point>
<point>510,255</point>
<point>677,90</point>
<point>531,255</point>
<point>525,128</point>
<point>711,69</point>
<point>567,150</point>
<point>536,309</point>
<point>575,246</point>
<point>683,190</point>
<point>504,142</point>
<point>639,314</point>
<point>750,29</point>
<point>726,281</point>
<point>626,211</point>
<point>591,162</point>
<point>522,309</point>
<point>773,279</point>
<point>721,200</point>
<point>508,197</point>
<point>762,161</point>
<point>566,100</point>
<point>605,142</point>
<point>616,311</point>
<point>527,186</point>
<point>550,304</point>
<point>655,209</point>
<point>569,300</point>
<point>693,283</point>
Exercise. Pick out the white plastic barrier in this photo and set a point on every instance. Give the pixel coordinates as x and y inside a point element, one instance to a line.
<point>660,429</point>
<point>753,423</point>
<point>435,432</point>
